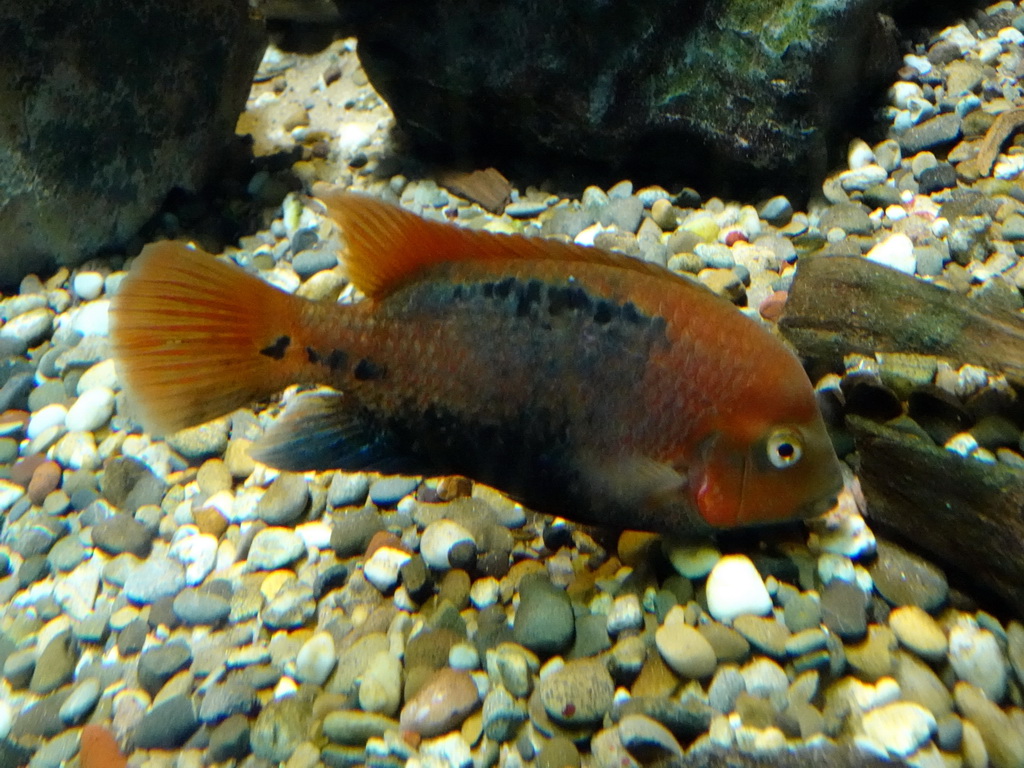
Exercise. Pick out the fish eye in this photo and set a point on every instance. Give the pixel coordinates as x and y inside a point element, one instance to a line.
<point>784,448</point>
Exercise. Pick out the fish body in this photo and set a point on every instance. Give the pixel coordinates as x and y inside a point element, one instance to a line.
<point>581,382</point>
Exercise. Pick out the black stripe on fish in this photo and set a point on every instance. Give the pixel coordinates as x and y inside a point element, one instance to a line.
<point>276,350</point>
<point>335,360</point>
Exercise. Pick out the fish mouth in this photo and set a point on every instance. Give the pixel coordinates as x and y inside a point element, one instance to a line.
<point>818,507</point>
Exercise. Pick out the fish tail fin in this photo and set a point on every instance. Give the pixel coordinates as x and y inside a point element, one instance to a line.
<point>195,337</point>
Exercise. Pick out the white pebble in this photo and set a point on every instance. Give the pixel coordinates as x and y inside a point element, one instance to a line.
<point>9,493</point>
<point>976,658</point>
<point>896,212</point>
<point>1010,36</point>
<point>198,553</point>
<point>52,415</point>
<point>437,541</point>
<point>832,566</point>
<point>901,92</point>
<point>91,410</point>
<point>900,728</point>
<point>896,252</point>
<point>92,319</point>
<point>734,588</point>
<point>102,374</point>
<point>863,177</point>
<point>919,63</point>
<point>316,535</point>
<point>381,569</point>
<point>88,285</point>
<point>6,719</point>
<point>77,450</point>
<point>859,154</point>
<point>316,659</point>
<point>626,613</point>
<point>484,592</point>
<point>1009,168</point>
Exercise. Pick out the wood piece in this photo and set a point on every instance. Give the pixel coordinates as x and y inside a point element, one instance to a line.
<point>997,133</point>
<point>962,513</point>
<point>840,305</point>
<point>488,187</point>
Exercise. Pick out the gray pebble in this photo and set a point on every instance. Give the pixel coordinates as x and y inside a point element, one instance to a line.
<point>353,727</point>
<point>66,554</point>
<point>526,209</point>
<point>307,263</point>
<point>725,686</point>
<point>168,725</point>
<point>502,714</point>
<point>200,608</point>
<point>388,491</point>
<point>844,609</point>
<point>776,211</point>
<point>285,500</point>
<point>225,699</point>
<point>81,701</point>
<point>229,740</point>
<point>852,218</point>
<point>281,726</point>
<point>197,444</point>
<point>159,664</point>
<point>57,752</point>
<point>291,607</point>
<point>56,664</point>
<point>122,533</point>
<point>623,213</point>
<point>274,548</point>
<point>31,327</point>
<point>158,577</point>
<point>544,622</point>
<point>348,489</point>
<point>936,132</point>
<point>903,578</point>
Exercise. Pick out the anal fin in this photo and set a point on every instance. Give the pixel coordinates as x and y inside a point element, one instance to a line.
<point>324,429</point>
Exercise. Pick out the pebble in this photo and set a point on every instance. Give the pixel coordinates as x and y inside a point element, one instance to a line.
<point>196,444</point>
<point>578,694</point>
<point>734,587</point>
<point>167,725</point>
<point>29,328</point>
<point>274,548</point>
<point>544,622</point>
<point>77,450</point>
<point>502,714</point>
<point>1003,742</point>
<point>441,704</point>
<point>122,533</point>
<point>45,479</point>
<point>388,491</point>
<point>56,664</point>
<point>901,728</point>
<point>52,415</point>
<point>380,687</point>
<point>976,658</point>
<point>285,500</point>
<point>316,659</point>
<point>437,541</point>
<point>91,410</point>
<point>896,252</point>
<point>383,567</point>
<point>222,700</point>
<point>198,608</point>
<point>904,578</point>
<point>154,579</point>
<point>919,683</point>
<point>348,489</point>
<point>626,613</point>
<point>354,728</point>
<point>198,553</point>
<point>843,609</point>
<point>159,664</point>
<point>684,649</point>
<point>919,632</point>
<point>280,727</point>
<point>692,560</point>
<point>643,736</point>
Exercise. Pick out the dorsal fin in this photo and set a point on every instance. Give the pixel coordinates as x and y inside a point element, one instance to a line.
<point>388,246</point>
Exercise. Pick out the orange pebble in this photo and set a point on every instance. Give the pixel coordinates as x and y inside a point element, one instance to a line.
<point>99,749</point>
<point>771,308</point>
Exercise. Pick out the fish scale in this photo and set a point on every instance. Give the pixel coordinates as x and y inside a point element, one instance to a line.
<point>581,382</point>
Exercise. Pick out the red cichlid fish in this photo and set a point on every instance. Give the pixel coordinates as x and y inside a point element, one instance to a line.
<point>583,383</point>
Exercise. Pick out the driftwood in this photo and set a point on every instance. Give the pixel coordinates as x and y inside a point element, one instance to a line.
<point>842,305</point>
<point>963,513</point>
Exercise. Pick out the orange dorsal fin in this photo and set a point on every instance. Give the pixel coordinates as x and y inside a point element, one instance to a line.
<point>388,246</point>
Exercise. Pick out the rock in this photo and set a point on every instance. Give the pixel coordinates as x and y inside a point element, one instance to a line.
<point>901,727</point>
<point>348,489</point>
<point>196,444</point>
<point>98,749</point>
<point>437,541</point>
<point>159,664</point>
<point>975,656</point>
<point>441,704</point>
<point>127,483</point>
<point>873,658</point>
<point>45,478</point>
<point>285,500</point>
<point>936,132</point>
<point>122,533</point>
<point>647,739</point>
<point>280,727</point>
<point>674,83</point>
<point>352,531</point>
<point>81,701</point>
<point>1003,742</point>
<point>684,649</point>
<point>578,694</point>
<point>316,659</point>
<point>734,587</point>
<point>843,609</point>
<point>903,578</point>
<point>918,631</point>
<point>544,622</point>
<point>895,252</point>
<point>200,608</point>
<point>383,567</point>
<point>354,728</point>
<point>274,548</point>
<point>230,739</point>
<point>764,633</point>
<point>56,664</point>
<point>91,410</point>
<point>134,141</point>
<point>918,683</point>
<point>223,700</point>
<point>155,578</point>
<point>167,725</point>
<point>388,491</point>
<point>502,715</point>
<point>380,688</point>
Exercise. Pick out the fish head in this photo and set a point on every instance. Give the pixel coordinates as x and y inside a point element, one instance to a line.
<point>767,473</point>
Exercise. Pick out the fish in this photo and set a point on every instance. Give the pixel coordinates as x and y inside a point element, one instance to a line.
<point>582,383</point>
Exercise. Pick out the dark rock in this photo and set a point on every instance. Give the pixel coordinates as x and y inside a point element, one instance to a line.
<point>158,665</point>
<point>14,393</point>
<point>43,718</point>
<point>230,740</point>
<point>592,81</point>
<point>108,135</point>
<point>844,609</point>
<point>199,607</point>
<point>941,176</point>
<point>128,484</point>
<point>56,664</point>
<point>122,533</point>
<point>939,131</point>
<point>351,531</point>
<point>225,700</point>
<point>132,638</point>
<point>168,725</point>
<point>544,622</point>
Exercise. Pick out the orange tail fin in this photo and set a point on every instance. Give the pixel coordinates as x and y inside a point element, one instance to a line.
<point>195,338</point>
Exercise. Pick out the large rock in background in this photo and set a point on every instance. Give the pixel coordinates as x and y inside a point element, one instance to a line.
<point>105,106</point>
<point>728,94</point>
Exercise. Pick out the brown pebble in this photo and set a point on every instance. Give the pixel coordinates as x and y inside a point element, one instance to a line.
<point>441,705</point>
<point>21,472</point>
<point>210,520</point>
<point>13,421</point>
<point>771,308</point>
<point>45,480</point>
<point>454,487</point>
<point>384,539</point>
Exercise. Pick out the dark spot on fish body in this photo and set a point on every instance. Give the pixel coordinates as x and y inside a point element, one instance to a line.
<point>277,350</point>
<point>367,370</point>
<point>528,296</point>
<point>335,360</point>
